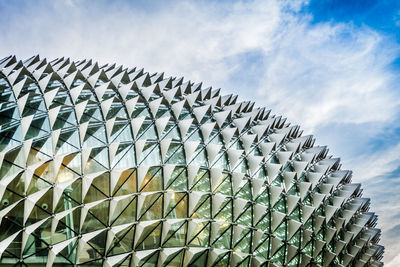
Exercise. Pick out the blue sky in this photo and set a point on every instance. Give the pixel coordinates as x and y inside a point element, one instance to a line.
<point>382,17</point>
<point>331,66</point>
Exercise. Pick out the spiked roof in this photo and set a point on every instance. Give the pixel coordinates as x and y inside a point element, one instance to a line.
<point>116,166</point>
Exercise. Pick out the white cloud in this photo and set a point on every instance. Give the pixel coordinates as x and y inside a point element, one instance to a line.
<point>371,165</point>
<point>395,262</point>
<point>330,73</point>
<point>315,74</point>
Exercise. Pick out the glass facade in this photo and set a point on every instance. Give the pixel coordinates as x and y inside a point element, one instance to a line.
<point>113,166</point>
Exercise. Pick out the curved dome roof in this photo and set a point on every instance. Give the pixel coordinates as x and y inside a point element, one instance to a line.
<point>119,167</point>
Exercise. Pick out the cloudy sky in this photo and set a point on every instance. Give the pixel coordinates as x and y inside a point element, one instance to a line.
<point>331,66</point>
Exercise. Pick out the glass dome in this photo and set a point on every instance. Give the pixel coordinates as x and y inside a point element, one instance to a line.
<point>113,166</point>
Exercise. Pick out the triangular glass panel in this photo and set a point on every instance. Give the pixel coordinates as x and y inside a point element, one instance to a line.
<point>223,238</point>
<point>95,136</point>
<point>126,183</point>
<point>151,208</point>
<point>98,160</point>
<point>176,157</point>
<point>225,187</point>
<point>124,157</point>
<point>150,237</point>
<point>176,235</point>
<point>151,154</point>
<point>200,235</point>
<point>178,180</point>
<point>224,214</point>
<point>122,242</point>
<point>125,211</point>
<point>176,261</point>
<point>199,261</point>
<point>202,181</point>
<point>177,206</point>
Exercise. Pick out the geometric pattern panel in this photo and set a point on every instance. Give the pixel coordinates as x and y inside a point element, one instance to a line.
<point>103,165</point>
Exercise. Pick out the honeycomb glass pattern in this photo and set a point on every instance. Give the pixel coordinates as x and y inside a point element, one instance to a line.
<point>103,165</point>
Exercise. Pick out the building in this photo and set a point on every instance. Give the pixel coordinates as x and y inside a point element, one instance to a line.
<point>113,166</point>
